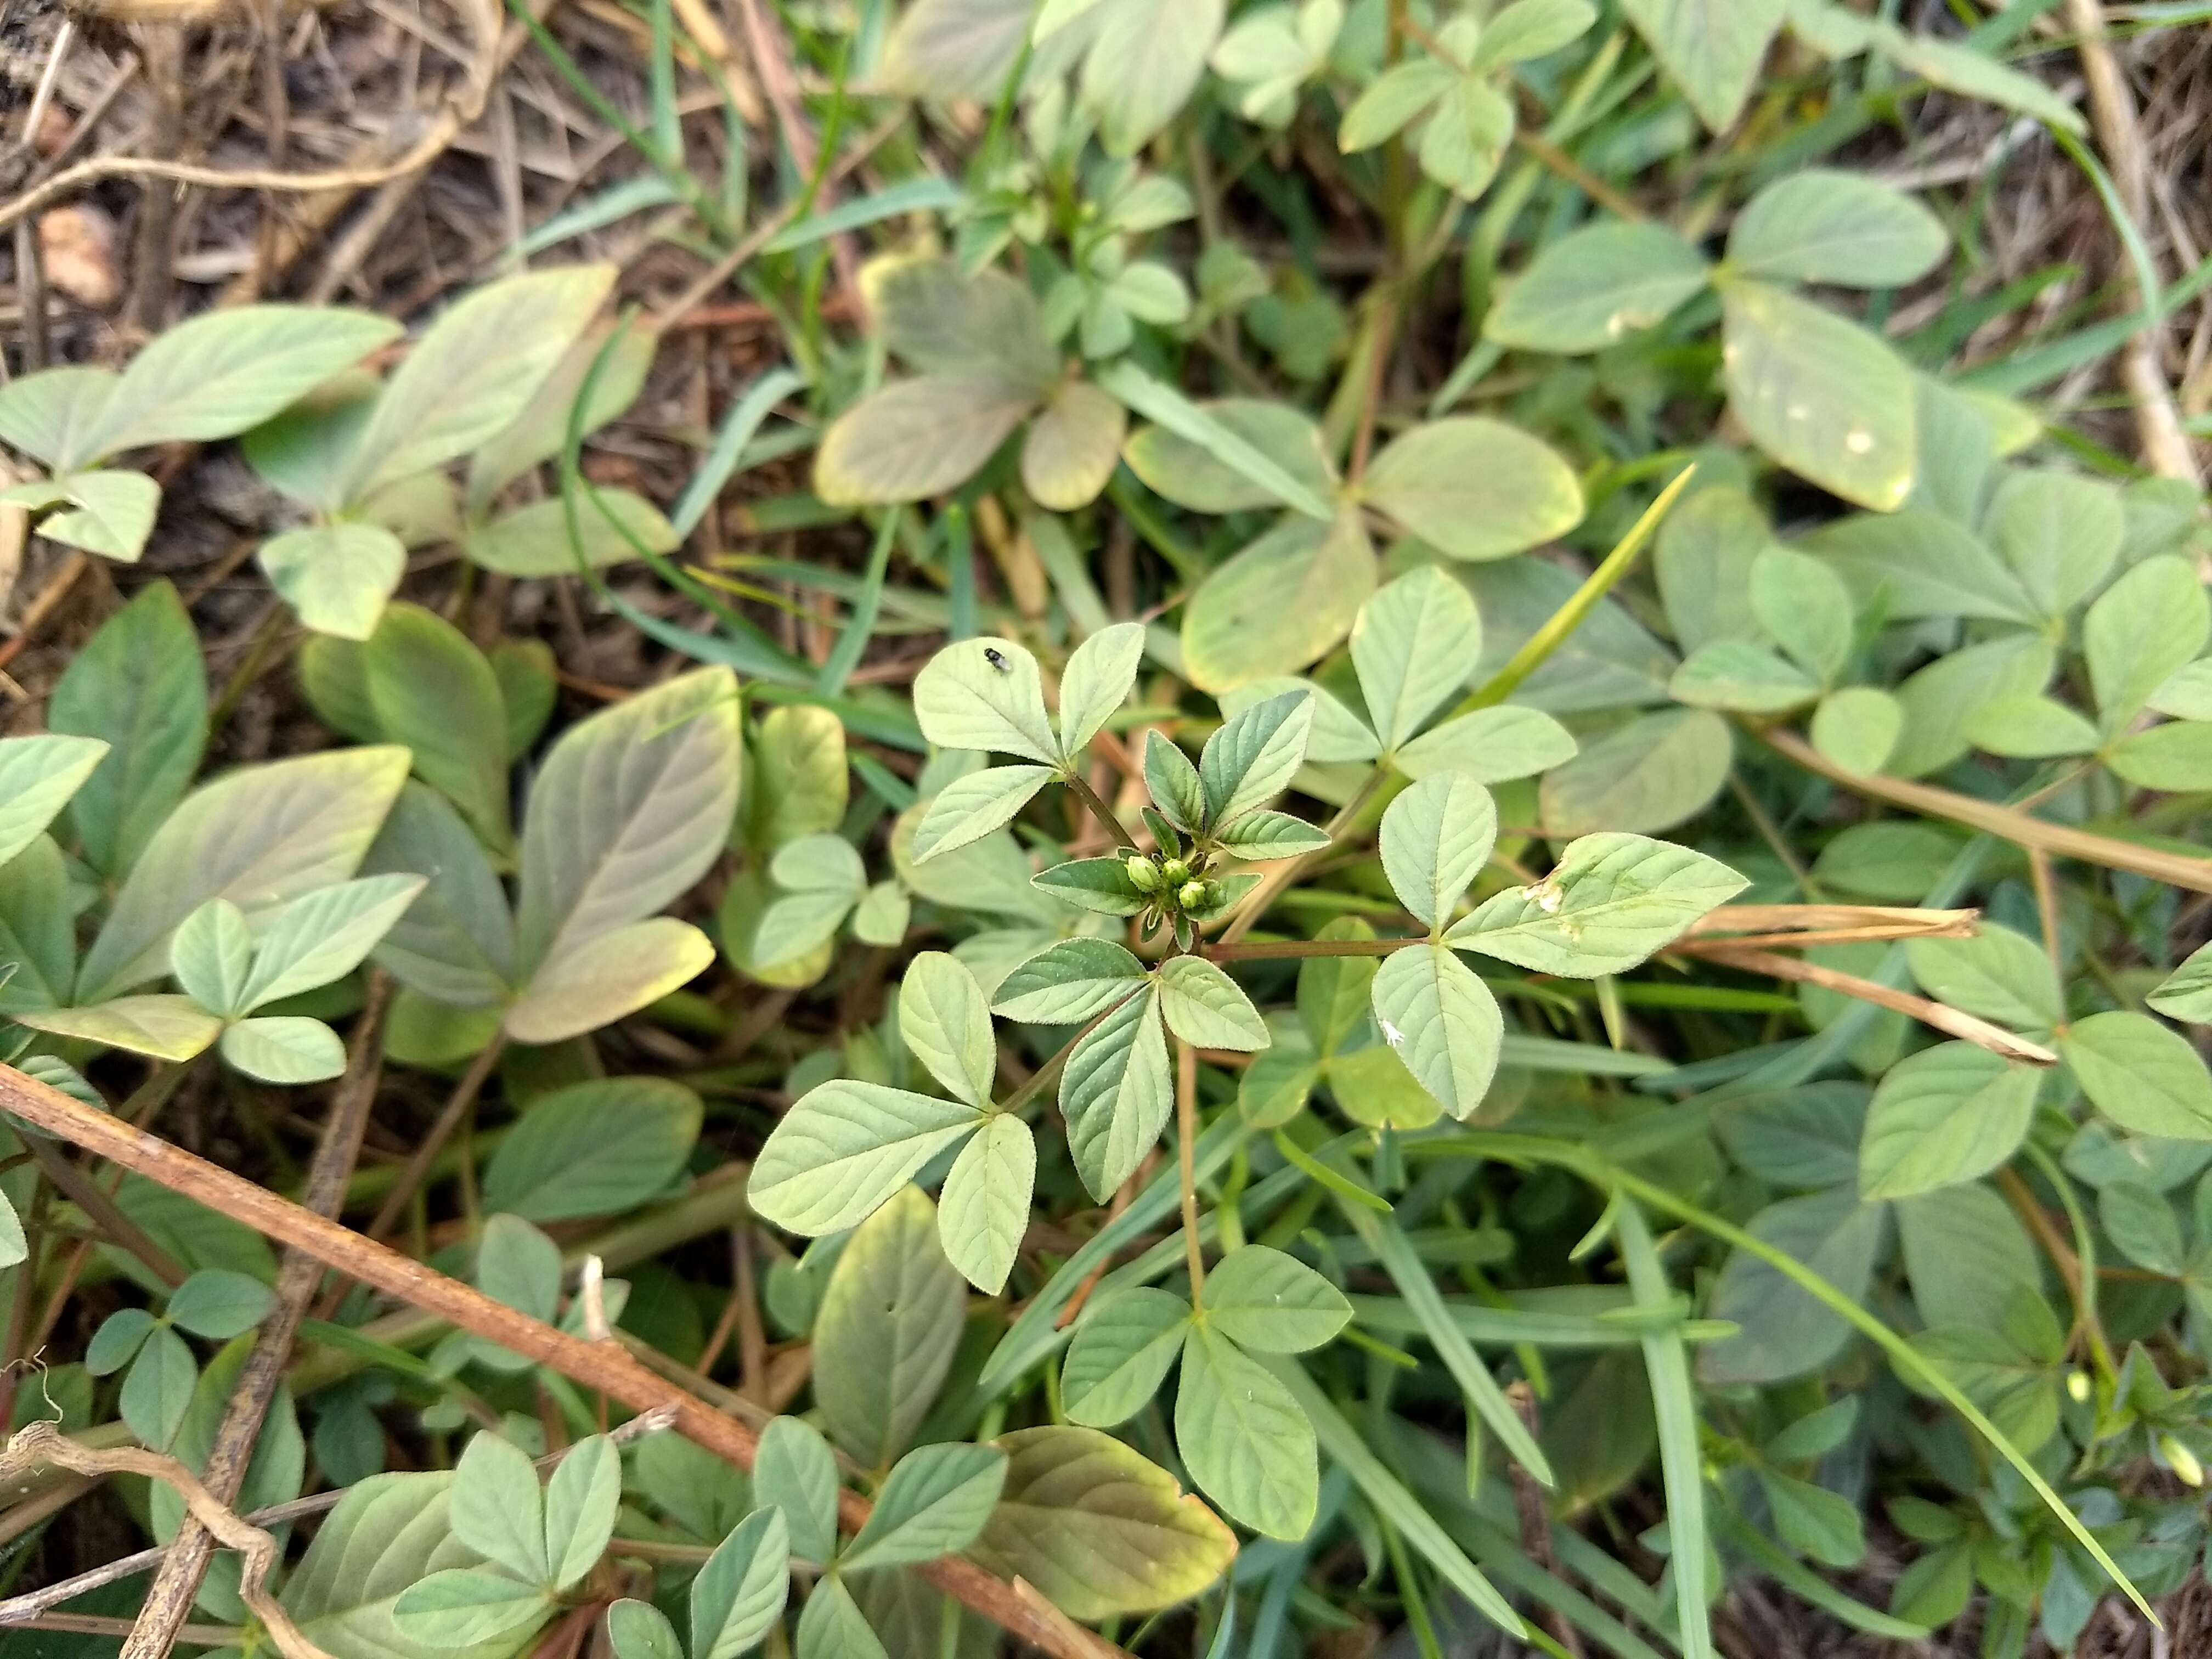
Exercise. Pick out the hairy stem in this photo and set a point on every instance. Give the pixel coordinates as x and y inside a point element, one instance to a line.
<point>1099,810</point>
<point>1277,951</point>
<point>1042,1078</point>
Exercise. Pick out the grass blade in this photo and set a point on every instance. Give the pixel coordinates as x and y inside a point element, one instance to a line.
<point>1569,617</point>
<point>860,626</point>
<point>926,195</point>
<point>1801,1580</point>
<point>739,426</point>
<point>1335,1179</point>
<point>1158,402</point>
<point>1484,1397</point>
<point>1392,1501</point>
<point>1681,1464</point>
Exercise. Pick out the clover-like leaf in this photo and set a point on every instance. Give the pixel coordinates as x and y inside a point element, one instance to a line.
<point>1264,1300</point>
<point>969,808</point>
<point>1437,836</point>
<point>1115,1093</point>
<point>1120,1355</point>
<point>945,1022</point>
<point>1246,1443</point>
<point>1204,1007</point>
<point>986,694</point>
<point>1612,901</point>
<point>1253,757</point>
<point>1103,884</point>
<point>1443,1023</point>
<point>1069,981</point>
<point>847,1147</point>
<point>984,1209</point>
<point>1099,674</point>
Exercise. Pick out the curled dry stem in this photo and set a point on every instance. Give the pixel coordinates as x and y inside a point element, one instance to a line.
<point>42,1443</point>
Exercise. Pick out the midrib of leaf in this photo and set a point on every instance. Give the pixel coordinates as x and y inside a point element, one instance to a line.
<point>626,846</point>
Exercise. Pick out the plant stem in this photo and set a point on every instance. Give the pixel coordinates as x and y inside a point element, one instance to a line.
<point>457,1105</point>
<point>1558,161</point>
<point>1042,1077</point>
<point>2046,905</point>
<point>1569,617</point>
<point>1099,810</point>
<point>1187,1142</point>
<point>100,1210</point>
<point>2077,1267</point>
<point>1378,367</point>
<point>1281,875</point>
<point>1277,951</point>
<point>1770,833</point>
<point>597,1365</point>
<point>1791,925</point>
<point>2008,823</point>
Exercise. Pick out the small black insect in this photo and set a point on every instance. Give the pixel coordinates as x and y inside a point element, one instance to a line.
<point>997,661</point>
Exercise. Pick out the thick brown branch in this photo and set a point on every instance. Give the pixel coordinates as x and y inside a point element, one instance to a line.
<point>601,1366</point>
<point>177,1585</point>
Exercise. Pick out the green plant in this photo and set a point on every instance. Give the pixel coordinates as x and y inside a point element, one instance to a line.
<point>1279,553</point>
<point>492,379</point>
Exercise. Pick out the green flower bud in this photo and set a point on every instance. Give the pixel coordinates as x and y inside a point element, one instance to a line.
<point>1175,872</point>
<point>2182,1461</point>
<point>2077,1387</point>
<point>1144,874</point>
<point>1191,895</point>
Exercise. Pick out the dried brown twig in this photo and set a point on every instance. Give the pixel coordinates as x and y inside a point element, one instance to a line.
<point>603,1366</point>
<point>2166,448</point>
<point>42,1443</point>
<point>17,1612</point>
<point>176,1586</point>
<point>1814,924</point>
<point>462,108</point>
<point>2008,823</point>
<point>1941,1016</point>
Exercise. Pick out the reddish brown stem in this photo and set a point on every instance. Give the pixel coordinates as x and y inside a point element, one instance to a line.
<point>2008,823</point>
<point>598,1365</point>
<point>457,1106</point>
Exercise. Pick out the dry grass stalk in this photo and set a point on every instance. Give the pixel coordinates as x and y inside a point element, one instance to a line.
<point>1941,1016</point>
<point>2008,824</point>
